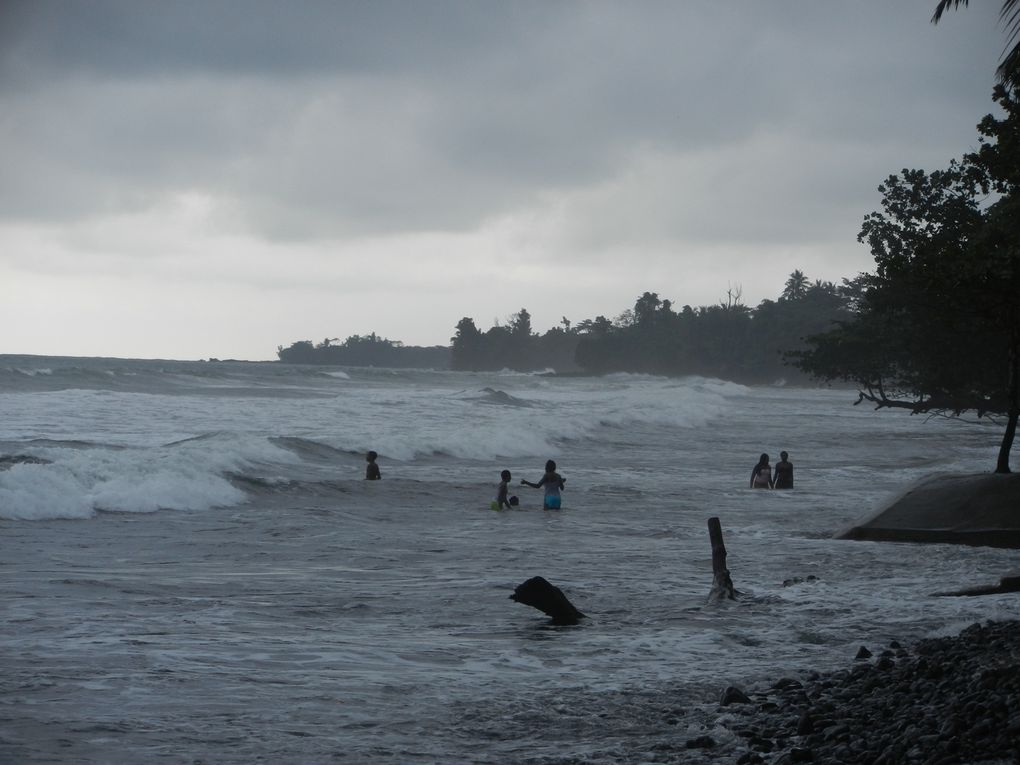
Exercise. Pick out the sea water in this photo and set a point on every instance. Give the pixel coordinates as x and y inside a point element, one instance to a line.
<point>194,569</point>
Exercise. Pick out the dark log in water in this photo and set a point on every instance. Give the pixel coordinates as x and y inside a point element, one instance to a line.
<point>1008,583</point>
<point>722,585</point>
<point>538,593</point>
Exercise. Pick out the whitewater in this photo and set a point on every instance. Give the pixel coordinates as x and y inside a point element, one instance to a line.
<point>195,570</point>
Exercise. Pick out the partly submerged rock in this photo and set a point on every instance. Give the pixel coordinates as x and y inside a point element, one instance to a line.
<point>733,695</point>
<point>982,509</point>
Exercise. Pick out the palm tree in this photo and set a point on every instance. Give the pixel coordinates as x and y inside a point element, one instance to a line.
<point>1009,68</point>
<point>796,286</point>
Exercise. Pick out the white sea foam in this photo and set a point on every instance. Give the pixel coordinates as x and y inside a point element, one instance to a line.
<point>76,483</point>
<point>511,422</point>
<point>328,608</point>
<point>41,492</point>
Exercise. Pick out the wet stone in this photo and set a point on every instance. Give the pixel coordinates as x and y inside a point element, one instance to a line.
<point>701,742</point>
<point>805,725</point>
<point>950,700</point>
<point>733,695</point>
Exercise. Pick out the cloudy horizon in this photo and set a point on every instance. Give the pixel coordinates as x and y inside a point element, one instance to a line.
<point>192,180</point>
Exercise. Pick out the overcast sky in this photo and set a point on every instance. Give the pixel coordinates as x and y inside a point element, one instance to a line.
<point>214,179</point>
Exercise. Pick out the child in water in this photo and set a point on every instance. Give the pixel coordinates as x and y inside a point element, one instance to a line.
<point>372,472</point>
<point>502,498</point>
<point>553,484</point>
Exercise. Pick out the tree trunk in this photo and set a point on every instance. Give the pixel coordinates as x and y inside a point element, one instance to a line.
<point>722,585</point>
<point>1002,465</point>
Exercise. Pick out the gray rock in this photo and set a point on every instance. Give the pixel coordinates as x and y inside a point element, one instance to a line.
<point>701,742</point>
<point>733,695</point>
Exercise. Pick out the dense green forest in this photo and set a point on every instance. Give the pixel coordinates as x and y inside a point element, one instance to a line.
<point>728,340</point>
<point>365,351</point>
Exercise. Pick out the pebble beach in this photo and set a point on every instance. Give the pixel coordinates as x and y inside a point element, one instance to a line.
<point>943,700</point>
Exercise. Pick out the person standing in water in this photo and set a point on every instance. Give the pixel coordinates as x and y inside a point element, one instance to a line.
<point>783,477</point>
<point>552,482</point>
<point>372,472</point>
<point>761,475</point>
<point>503,500</point>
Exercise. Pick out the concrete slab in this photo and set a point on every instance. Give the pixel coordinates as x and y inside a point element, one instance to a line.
<point>981,509</point>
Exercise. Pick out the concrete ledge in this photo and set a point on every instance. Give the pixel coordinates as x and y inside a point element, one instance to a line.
<point>982,509</point>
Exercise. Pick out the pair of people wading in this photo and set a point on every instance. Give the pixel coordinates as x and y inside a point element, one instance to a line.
<point>762,476</point>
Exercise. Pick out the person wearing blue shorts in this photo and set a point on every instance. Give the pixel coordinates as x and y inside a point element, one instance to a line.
<point>553,483</point>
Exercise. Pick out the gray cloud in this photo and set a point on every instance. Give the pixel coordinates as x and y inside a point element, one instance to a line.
<point>580,135</point>
<point>331,118</point>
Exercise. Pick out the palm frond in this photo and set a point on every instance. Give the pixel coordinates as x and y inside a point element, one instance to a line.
<point>1009,68</point>
<point>945,5</point>
<point>1008,71</point>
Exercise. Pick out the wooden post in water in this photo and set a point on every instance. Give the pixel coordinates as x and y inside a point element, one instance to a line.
<point>722,585</point>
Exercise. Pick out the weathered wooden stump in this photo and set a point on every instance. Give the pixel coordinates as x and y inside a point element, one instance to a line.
<point>538,593</point>
<point>722,585</point>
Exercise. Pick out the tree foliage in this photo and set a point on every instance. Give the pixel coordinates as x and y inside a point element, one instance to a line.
<point>796,286</point>
<point>728,340</point>
<point>937,326</point>
<point>1009,15</point>
<point>365,351</point>
<point>513,346</point>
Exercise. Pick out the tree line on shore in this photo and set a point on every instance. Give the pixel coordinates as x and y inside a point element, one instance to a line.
<point>365,351</point>
<point>729,340</point>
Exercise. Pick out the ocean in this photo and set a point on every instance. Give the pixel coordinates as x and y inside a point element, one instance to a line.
<point>195,570</point>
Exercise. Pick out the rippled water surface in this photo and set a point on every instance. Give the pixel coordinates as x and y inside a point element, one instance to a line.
<point>195,571</point>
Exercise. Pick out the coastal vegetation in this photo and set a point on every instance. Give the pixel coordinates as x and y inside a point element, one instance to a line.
<point>365,351</point>
<point>936,327</point>
<point>729,340</point>
<point>1009,15</point>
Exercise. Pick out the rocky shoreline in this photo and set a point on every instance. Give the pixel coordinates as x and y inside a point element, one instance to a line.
<point>945,700</point>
